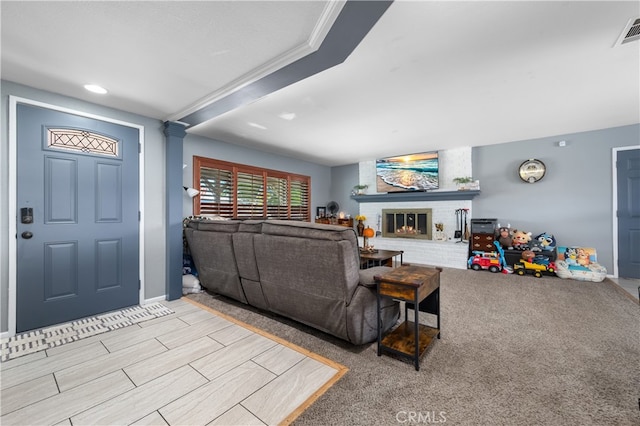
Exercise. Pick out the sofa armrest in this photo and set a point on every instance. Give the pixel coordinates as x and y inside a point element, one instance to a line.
<point>366,275</point>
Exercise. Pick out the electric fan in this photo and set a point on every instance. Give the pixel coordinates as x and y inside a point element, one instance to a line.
<point>332,208</point>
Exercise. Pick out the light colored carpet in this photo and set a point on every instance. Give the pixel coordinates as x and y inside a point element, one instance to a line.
<point>514,351</point>
<point>49,337</point>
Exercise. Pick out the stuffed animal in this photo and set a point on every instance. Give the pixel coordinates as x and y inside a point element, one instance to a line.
<point>582,257</point>
<point>520,239</point>
<point>571,255</point>
<point>547,241</point>
<point>504,236</point>
<point>535,245</point>
<point>528,256</point>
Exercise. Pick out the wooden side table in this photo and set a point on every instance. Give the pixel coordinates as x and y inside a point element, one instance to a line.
<point>417,286</point>
<point>379,258</point>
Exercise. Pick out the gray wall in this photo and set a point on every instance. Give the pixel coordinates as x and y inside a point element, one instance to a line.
<point>199,146</point>
<point>343,179</point>
<point>153,201</point>
<point>574,199</point>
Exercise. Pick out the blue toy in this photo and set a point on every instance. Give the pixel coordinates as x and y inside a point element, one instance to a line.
<point>546,242</point>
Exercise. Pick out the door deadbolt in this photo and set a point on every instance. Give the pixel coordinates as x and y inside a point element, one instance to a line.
<point>26,215</point>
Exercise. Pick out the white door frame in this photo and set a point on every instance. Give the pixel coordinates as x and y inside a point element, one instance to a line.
<point>13,181</point>
<point>614,208</point>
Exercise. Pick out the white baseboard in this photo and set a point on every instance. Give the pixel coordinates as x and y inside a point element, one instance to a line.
<point>4,335</point>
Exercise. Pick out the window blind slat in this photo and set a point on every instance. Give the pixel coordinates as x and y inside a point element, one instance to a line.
<point>216,191</point>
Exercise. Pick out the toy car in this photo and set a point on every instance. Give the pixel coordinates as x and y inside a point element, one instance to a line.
<point>485,260</point>
<point>536,269</point>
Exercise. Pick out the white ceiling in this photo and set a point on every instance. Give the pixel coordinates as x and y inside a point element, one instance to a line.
<point>429,75</point>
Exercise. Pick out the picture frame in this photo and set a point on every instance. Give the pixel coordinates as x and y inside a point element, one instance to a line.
<point>321,211</point>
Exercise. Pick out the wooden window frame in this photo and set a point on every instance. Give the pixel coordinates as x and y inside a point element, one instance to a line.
<point>234,210</point>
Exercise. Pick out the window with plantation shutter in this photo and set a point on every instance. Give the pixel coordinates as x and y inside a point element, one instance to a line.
<point>240,191</point>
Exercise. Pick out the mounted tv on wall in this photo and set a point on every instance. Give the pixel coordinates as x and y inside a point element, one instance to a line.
<point>414,172</point>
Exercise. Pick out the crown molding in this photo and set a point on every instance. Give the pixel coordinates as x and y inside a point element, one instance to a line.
<point>323,25</point>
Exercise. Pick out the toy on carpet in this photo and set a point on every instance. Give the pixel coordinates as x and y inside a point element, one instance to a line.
<point>504,235</point>
<point>534,264</point>
<point>583,257</point>
<point>546,242</point>
<point>520,239</point>
<point>579,263</point>
<point>492,261</point>
<point>528,255</point>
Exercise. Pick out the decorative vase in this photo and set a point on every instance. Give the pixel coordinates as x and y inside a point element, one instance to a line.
<point>360,227</point>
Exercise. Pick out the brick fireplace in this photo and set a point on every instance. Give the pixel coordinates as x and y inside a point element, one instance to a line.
<point>422,251</point>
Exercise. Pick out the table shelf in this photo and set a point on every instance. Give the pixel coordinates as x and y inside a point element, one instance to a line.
<point>402,340</point>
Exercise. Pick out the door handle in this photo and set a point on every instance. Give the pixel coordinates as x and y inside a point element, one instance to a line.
<point>27,235</point>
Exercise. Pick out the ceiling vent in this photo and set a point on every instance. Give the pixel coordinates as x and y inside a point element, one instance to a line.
<point>631,32</point>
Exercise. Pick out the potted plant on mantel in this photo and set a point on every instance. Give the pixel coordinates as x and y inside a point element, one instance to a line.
<point>360,189</point>
<point>463,182</point>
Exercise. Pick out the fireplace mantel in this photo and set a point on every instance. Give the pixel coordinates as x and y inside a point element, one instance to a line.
<point>416,196</point>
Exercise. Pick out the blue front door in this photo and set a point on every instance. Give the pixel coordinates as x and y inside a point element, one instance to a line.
<point>628,175</point>
<point>78,224</point>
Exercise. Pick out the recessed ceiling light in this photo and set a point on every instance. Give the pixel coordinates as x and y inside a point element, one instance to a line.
<point>287,115</point>
<point>95,88</point>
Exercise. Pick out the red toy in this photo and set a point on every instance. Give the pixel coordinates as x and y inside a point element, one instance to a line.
<point>485,260</point>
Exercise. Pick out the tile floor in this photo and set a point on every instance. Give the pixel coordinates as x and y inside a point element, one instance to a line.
<point>192,367</point>
<point>630,285</point>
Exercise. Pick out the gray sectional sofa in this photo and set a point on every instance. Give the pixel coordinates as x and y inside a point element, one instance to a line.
<point>305,271</point>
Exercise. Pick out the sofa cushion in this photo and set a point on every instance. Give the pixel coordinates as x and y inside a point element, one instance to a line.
<point>319,268</point>
<point>315,231</point>
<point>367,275</point>
<point>253,226</point>
<point>216,263</point>
<point>245,255</point>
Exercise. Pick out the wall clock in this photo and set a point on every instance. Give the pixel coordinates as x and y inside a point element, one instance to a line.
<point>532,170</point>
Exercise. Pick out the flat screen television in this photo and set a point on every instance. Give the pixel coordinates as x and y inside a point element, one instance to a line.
<point>414,172</point>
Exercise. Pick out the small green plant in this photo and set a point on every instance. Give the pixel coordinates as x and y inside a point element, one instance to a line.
<point>464,179</point>
<point>359,189</point>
